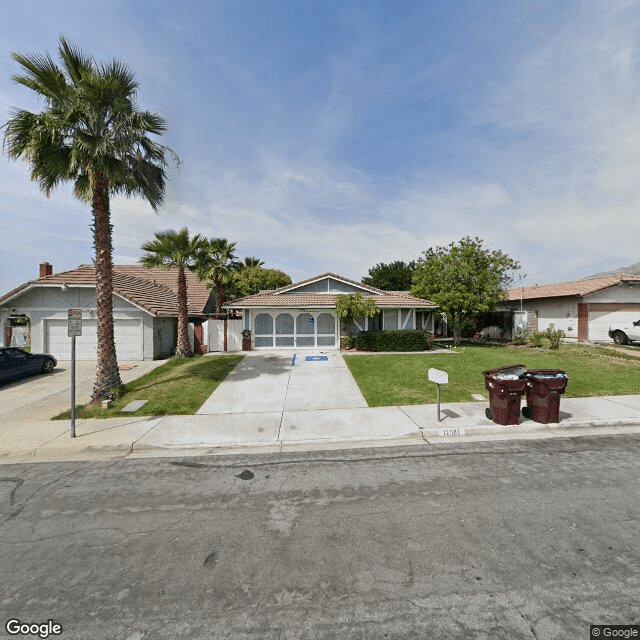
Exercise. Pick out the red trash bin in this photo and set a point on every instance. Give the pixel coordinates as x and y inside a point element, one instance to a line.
<point>544,388</point>
<point>506,387</point>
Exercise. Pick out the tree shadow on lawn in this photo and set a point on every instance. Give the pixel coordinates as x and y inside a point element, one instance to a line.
<point>218,372</point>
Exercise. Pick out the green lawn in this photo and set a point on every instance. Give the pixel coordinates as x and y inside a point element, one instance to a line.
<point>402,379</point>
<point>178,387</point>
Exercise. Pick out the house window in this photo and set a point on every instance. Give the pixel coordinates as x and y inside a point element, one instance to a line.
<point>284,324</point>
<point>390,319</point>
<point>264,330</point>
<point>264,324</point>
<point>305,325</point>
<point>326,324</point>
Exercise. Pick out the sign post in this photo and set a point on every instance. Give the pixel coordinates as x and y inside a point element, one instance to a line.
<point>439,377</point>
<point>74,328</point>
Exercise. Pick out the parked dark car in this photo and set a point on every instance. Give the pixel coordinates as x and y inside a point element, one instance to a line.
<point>16,363</point>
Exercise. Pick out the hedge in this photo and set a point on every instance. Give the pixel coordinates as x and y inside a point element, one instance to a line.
<point>394,340</point>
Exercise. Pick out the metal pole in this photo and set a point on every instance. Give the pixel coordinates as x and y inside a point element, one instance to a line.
<point>73,386</point>
<point>438,386</point>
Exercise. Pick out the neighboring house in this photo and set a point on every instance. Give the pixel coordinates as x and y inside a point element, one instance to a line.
<point>583,309</point>
<point>303,314</point>
<point>145,304</point>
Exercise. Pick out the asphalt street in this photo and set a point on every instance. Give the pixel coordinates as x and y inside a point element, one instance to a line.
<point>484,540</point>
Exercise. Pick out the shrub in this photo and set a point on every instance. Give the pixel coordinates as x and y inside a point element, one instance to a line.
<point>554,336</point>
<point>536,338</point>
<point>394,340</point>
<point>520,337</point>
<point>346,342</point>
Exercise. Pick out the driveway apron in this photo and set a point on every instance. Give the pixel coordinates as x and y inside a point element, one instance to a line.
<point>276,381</point>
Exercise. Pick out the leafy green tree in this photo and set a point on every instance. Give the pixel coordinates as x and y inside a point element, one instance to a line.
<point>175,250</point>
<point>217,263</point>
<point>463,278</point>
<point>395,276</point>
<point>92,134</point>
<point>354,305</point>
<point>250,280</point>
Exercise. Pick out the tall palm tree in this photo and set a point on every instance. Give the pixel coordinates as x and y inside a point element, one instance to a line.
<point>175,250</point>
<point>217,263</point>
<point>92,134</point>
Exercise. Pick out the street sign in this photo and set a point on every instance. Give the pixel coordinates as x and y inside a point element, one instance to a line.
<point>74,328</point>
<point>74,322</point>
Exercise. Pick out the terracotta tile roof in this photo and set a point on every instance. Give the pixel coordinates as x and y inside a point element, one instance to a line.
<point>281,298</point>
<point>155,290</point>
<point>577,288</point>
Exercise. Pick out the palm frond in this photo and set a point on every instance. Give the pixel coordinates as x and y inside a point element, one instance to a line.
<point>76,63</point>
<point>41,74</point>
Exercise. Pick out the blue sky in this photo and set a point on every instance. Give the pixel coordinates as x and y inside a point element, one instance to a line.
<point>329,136</point>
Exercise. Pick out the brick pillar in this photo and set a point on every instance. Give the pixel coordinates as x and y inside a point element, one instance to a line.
<point>583,322</point>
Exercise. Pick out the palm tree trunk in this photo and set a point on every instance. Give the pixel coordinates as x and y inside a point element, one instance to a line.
<point>107,375</point>
<point>183,348</point>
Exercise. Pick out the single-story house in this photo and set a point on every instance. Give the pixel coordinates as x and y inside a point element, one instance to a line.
<point>145,305</point>
<point>583,309</point>
<point>303,314</point>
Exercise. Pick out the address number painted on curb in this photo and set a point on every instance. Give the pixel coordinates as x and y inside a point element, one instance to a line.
<point>451,432</point>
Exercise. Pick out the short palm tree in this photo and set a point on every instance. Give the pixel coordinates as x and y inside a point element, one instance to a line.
<point>175,250</point>
<point>92,134</point>
<point>217,263</point>
<point>251,261</point>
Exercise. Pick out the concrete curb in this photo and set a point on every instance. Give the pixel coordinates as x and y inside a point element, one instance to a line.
<point>115,439</point>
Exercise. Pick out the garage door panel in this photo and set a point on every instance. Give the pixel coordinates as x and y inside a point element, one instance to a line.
<point>127,333</point>
<point>600,321</point>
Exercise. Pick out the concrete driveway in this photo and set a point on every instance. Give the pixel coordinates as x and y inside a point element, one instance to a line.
<point>42,396</point>
<point>274,381</point>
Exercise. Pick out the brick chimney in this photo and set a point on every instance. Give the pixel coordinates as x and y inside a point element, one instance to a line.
<point>45,269</point>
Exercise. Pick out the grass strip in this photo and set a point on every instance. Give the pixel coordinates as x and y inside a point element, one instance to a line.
<point>178,387</point>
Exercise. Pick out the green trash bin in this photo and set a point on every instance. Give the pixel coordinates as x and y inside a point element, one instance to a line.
<point>506,386</point>
<point>544,388</point>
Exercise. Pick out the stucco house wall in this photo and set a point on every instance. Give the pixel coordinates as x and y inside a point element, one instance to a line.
<point>47,310</point>
<point>304,314</point>
<point>584,309</point>
<point>562,313</point>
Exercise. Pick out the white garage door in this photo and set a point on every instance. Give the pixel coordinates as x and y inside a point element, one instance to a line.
<point>600,321</point>
<point>128,337</point>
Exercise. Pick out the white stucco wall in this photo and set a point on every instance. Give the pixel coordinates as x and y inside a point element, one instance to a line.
<point>562,313</point>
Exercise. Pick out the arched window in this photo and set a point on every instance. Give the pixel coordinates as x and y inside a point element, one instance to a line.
<point>326,330</point>
<point>263,330</point>
<point>284,330</point>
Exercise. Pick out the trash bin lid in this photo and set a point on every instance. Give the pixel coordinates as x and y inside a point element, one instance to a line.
<point>509,372</point>
<point>547,374</point>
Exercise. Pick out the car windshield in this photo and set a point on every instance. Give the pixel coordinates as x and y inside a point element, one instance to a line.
<point>13,352</point>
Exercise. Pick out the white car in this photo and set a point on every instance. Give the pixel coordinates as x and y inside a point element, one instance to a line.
<point>625,333</point>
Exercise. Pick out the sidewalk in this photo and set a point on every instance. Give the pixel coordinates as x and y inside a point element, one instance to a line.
<point>295,430</point>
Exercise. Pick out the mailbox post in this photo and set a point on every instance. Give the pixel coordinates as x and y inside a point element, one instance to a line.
<point>74,328</point>
<point>439,377</point>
